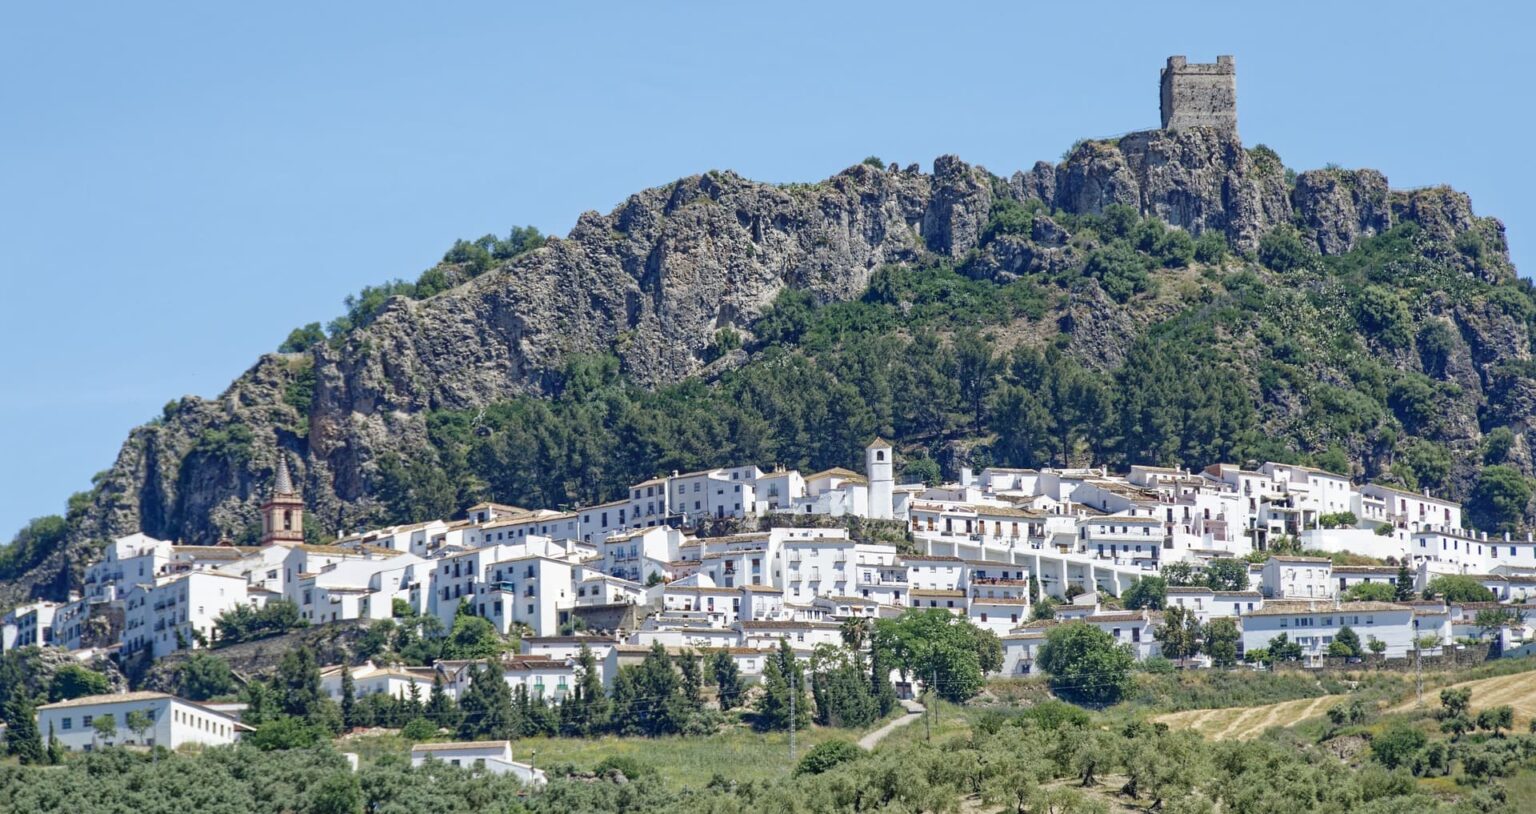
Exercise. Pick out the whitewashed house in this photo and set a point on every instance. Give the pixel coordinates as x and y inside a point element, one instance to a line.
<point>1316,624</point>
<point>1295,577</point>
<point>174,722</point>
<point>178,612</point>
<point>493,757</point>
<point>28,625</point>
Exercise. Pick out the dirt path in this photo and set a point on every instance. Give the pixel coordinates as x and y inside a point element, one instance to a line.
<point>914,712</point>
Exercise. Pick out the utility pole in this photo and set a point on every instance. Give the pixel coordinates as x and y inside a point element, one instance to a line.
<point>933,694</point>
<point>792,695</point>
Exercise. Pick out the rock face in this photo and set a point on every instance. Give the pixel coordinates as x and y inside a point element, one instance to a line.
<point>652,281</point>
<point>1200,179</point>
<point>1338,207</point>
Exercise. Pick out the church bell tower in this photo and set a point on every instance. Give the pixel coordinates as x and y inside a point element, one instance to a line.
<point>282,516</point>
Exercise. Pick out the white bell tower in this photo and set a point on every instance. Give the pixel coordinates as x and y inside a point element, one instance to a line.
<point>877,467</point>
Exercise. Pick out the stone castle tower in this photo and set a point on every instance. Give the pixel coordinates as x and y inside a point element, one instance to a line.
<point>282,516</point>
<point>1201,95</point>
<point>878,469</point>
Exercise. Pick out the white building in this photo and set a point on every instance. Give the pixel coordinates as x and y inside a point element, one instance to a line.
<point>174,722</point>
<point>1316,624</point>
<point>28,625</point>
<point>494,757</point>
<point>530,591</point>
<point>878,466</point>
<point>371,679</point>
<point>178,612</point>
<point>1292,577</point>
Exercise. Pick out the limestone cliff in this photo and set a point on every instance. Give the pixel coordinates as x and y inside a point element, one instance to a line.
<point>654,280</point>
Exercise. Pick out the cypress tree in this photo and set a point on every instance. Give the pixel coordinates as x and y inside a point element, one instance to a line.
<point>348,698</point>
<point>21,735</point>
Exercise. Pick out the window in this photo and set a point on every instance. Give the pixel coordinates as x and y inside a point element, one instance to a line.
<point>67,724</point>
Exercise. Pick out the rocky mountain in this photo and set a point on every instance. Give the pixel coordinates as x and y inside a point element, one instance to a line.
<point>658,281</point>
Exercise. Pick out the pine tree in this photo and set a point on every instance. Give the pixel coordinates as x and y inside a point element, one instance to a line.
<point>487,708</point>
<point>442,710</point>
<point>413,701</point>
<point>1405,592</point>
<point>727,680</point>
<point>782,679</point>
<point>585,712</point>
<point>693,678</point>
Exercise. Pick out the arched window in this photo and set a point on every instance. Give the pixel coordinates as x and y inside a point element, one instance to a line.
<point>287,519</point>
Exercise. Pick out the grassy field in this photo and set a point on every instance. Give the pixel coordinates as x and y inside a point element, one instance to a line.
<point>1515,689</point>
<point>1247,722</point>
<point>738,752</point>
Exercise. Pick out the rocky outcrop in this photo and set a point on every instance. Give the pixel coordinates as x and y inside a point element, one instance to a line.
<point>1338,207</point>
<point>652,281</point>
<point>1200,179</point>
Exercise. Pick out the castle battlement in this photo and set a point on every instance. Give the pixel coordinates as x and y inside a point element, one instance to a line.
<point>1199,94</point>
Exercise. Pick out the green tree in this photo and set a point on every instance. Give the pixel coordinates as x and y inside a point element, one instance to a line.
<point>1397,745</point>
<point>1146,592</point>
<point>586,711</point>
<point>939,647</point>
<point>55,750</point>
<point>826,755</point>
<point>442,709</point>
<point>1086,664</point>
<point>1281,648</point>
<point>783,680</point>
<point>1403,586</point>
<point>1458,588</point>
<point>975,368</point>
<point>297,685</point>
<point>1348,642</point>
<point>348,698</point>
<point>1226,575</point>
<point>486,708</point>
<point>75,681</point>
<point>1496,719</point>
<point>22,738</point>
<point>138,722</point>
<point>1179,634</point>
<point>840,689</point>
<point>1371,592</point>
<point>648,697</point>
<point>1282,249</point>
<point>336,793</point>
<point>302,339</point>
<point>471,637</point>
<point>103,729</point>
<point>727,678</point>
<point>1221,640</point>
<point>203,676</point>
<point>1499,499</point>
<point>1455,711</point>
<point>1181,574</point>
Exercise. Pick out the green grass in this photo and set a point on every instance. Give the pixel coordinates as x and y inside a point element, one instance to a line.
<point>737,752</point>
<point>1522,791</point>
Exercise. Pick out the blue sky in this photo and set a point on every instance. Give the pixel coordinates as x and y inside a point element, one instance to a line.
<point>184,184</point>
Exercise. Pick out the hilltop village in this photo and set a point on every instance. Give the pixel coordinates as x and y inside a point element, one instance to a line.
<point>763,570</point>
<point>1014,551</point>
